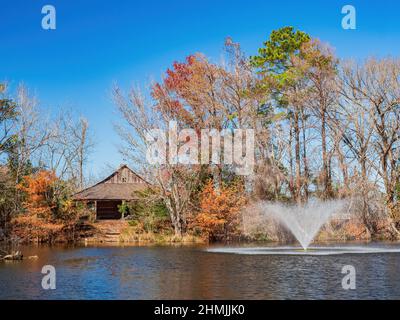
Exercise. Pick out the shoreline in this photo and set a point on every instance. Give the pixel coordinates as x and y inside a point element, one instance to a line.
<point>236,243</point>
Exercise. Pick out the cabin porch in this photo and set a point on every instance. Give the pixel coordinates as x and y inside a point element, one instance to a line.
<point>108,209</point>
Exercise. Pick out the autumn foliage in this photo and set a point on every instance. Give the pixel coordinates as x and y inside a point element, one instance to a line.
<point>219,215</point>
<point>47,206</point>
<point>189,93</point>
<point>39,189</point>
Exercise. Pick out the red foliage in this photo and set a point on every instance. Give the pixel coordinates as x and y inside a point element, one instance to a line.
<point>180,75</point>
<point>188,93</point>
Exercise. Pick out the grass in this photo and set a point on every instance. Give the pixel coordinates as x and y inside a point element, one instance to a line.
<point>131,234</point>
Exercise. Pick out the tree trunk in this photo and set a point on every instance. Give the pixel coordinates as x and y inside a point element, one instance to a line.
<point>305,160</point>
<point>291,183</point>
<point>175,218</point>
<point>297,155</point>
<point>325,167</point>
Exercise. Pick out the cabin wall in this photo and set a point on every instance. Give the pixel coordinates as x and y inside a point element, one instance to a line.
<point>124,176</point>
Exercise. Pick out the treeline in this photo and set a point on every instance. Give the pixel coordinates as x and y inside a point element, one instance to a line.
<point>43,156</point>
<point>324,128</point>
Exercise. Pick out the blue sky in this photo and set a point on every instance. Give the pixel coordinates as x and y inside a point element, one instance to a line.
<point>97,43</point>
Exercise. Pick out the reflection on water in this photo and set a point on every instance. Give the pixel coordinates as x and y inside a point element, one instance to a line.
<point>193,273</point>
<point>310,251</point>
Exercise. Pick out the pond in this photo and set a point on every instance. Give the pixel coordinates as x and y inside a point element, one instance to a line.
<point>192,272</point>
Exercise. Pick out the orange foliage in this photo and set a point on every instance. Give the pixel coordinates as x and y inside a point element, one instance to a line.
<point>48,207</point>
<point>39,190</point>
<point>220,209</point>
<point>32,228</point>
<point>355,229</point>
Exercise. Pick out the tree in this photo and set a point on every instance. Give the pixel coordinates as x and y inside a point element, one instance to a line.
<point>148,213</point>
<point>202,95</point>
<point>191,95</point>
<point>67,150</point>
<point>275,58</point>
<point>40,198</point>
<point>47,206</point>
<point>374,89</point>
<point>8,115</point>
<point>175,184</point>
<point>319,66</point>
<point>83,148</point>
<point>219,215</point>
<point>7,191</point>
<point>275,63</point>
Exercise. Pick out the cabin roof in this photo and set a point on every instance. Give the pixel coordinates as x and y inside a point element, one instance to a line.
<point>120,185</point>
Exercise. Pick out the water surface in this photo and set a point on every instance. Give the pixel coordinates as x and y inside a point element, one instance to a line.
<point>165,272</point>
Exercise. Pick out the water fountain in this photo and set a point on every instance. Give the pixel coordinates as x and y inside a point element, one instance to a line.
<point>304,221</point>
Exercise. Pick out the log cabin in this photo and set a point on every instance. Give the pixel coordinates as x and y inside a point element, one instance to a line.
<point>109,193</point>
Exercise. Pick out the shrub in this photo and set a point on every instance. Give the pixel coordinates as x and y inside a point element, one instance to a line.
<point>148,213</point>
<point>47,205</point>
<point>219,211</point>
